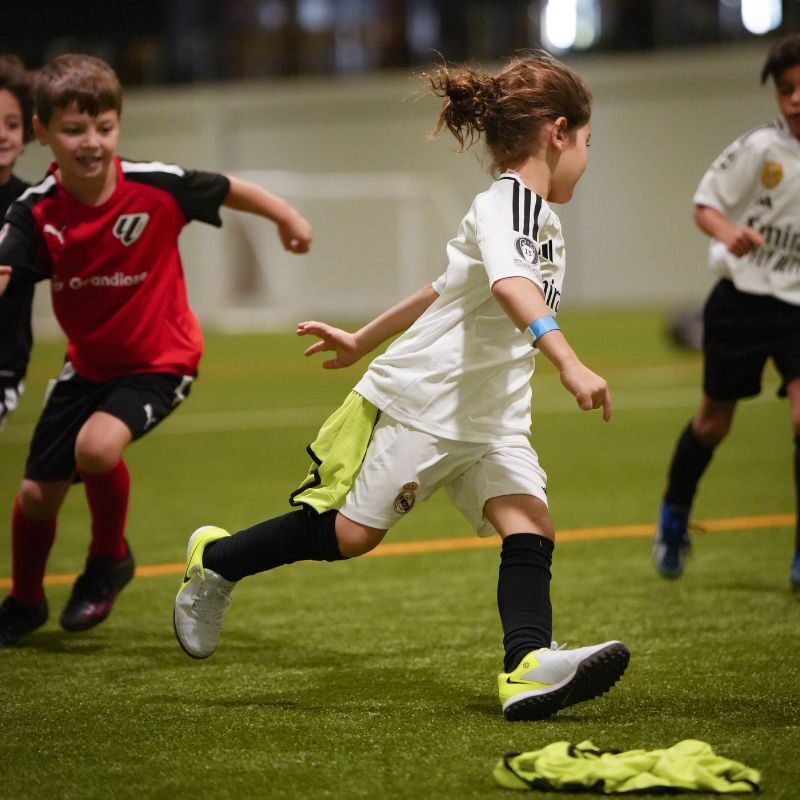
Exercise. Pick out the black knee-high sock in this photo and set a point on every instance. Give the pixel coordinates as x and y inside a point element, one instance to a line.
<point>689,462</point>
<point>797,492</point>
<point>300,535</point>
<point>523,595</point>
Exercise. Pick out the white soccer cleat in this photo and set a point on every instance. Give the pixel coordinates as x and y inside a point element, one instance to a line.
<point>202,598</point>
<point>547,680</point>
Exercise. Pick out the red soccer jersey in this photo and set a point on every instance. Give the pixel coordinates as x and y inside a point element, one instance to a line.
<point>115,272</point>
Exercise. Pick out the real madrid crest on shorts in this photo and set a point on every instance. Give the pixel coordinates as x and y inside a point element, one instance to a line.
<point>406,498</point>
<point>771,174</point>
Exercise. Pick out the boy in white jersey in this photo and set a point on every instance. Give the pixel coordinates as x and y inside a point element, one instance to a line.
<point>749,203</point>
<point>449,403</point>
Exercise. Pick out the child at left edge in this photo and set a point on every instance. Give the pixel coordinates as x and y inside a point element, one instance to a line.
<point>104,230</point>
<point>16,335</point>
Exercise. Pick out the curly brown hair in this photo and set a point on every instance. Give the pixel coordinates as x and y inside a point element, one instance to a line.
<point>16,79</point>
<point>509,107</point>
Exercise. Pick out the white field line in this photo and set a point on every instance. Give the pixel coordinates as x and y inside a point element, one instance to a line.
<point>187,423</point>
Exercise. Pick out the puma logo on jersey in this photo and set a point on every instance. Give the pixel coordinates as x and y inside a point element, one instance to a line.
<point>59,234</point>
<point>129,227</point>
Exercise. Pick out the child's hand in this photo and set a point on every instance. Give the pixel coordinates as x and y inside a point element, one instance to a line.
<point>590,390</point>
<point>742,240</point>
<point>343,343</point>
<point>295,233</point>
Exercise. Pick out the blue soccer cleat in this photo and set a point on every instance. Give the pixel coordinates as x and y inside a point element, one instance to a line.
<point>671,543</point>
<point>794,573</point>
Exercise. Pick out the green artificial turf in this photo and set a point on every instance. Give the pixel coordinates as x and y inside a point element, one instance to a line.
<point>376,678</point>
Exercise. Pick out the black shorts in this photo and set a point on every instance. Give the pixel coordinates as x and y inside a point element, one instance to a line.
<point>741,331</point>
<point>140,401</point>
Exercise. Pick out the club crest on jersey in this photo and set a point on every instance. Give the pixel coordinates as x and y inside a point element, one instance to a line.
<point>527,249</point>
<point>406,498</point>
<point>771,174</point>
<point>129,227</point>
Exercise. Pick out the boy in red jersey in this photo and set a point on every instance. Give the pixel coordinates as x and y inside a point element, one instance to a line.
<point>105,232</point>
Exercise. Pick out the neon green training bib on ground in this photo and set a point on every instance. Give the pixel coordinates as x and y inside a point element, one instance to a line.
<point>689,766</point>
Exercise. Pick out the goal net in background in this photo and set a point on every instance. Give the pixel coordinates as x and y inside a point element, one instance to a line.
<point>377,238</point>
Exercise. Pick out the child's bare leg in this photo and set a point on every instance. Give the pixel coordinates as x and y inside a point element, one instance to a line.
<point>355,539</point>
<point>100,443</point>
<point>513,513</point>
<point>713,420</point>
<point>42,500</point>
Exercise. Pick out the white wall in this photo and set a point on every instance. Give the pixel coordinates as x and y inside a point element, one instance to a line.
<point>659,120</point>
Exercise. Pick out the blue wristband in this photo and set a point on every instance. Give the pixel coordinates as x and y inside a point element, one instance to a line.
<point>539,327</point>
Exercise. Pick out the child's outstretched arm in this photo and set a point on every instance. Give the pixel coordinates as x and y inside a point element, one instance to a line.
<point>739,239</point>
<point>293,228</point>
<point>524,303</point>
<point>349,347</point>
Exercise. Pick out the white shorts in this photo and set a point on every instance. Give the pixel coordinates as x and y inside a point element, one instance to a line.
<point>404,466</point>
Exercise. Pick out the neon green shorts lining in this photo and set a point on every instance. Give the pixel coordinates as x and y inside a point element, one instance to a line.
<point>337,454</point>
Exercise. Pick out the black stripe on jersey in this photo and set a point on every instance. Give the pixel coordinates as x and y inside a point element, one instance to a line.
<point>527,218</point>
<point>515,205</point>
<point>526,211</point>
<point>536,209</point>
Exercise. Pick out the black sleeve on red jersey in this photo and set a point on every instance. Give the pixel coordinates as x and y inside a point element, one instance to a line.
<point>19,244</point>
<point>199,194</point>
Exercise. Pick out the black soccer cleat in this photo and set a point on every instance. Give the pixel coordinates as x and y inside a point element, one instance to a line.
<point>18,620</point>
<point>95,591</point>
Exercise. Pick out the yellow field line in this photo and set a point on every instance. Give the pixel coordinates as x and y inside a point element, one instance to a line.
<point>473,542</point>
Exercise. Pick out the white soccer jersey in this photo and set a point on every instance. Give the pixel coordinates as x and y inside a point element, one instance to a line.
<point>463,370</point>
<point>756,182</point>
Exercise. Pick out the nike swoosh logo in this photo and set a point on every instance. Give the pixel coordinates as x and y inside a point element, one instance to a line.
<point>186,576</point>
<point>191,557</point>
